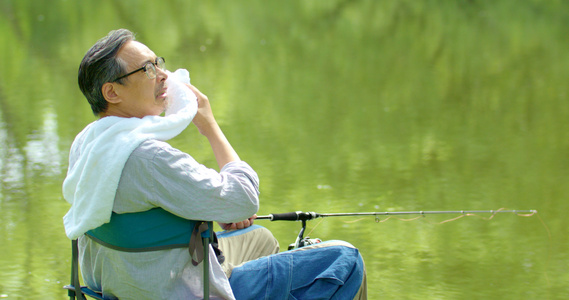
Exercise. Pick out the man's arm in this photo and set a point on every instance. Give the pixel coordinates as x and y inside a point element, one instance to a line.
<point>222,149</point>
<point>207,125</point>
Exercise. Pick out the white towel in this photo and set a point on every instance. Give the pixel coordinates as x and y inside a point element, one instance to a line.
<point>99,152</point>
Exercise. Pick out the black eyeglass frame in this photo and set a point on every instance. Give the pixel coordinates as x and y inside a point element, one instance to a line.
<point>145,69</point>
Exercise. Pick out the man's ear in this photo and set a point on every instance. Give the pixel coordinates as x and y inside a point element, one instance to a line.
<point>110,92</point>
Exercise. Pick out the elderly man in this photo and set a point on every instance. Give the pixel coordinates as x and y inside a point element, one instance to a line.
<point>135,198</point>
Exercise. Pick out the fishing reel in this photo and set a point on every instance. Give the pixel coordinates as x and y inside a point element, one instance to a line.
<point>304,242</point>
<point>301,241</point>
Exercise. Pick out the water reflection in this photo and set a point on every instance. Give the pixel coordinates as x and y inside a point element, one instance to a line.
<point>11,164</point>
<point>42,148</point>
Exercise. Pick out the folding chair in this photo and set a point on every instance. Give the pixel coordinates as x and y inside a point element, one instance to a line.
<point>71,288</point>
<point>74,293</point>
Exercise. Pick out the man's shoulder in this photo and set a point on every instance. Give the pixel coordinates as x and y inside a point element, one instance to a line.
<point>150,148</point>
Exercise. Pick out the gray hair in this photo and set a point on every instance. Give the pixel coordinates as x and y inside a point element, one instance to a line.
<point>101,65</point>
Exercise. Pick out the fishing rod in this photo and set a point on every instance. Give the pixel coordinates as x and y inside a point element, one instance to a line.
<point>306,216</point>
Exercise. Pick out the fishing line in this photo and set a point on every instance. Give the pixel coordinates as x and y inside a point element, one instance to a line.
<point>315,227</point>
<point>543,223</point>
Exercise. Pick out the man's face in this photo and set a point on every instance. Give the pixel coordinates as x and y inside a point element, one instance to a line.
<point>140,96</point>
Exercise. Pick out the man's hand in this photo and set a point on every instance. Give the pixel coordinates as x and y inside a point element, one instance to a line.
<point>204,119</point>
<point>239,225</point>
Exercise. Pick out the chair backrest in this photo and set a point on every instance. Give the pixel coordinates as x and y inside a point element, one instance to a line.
<point>154,229</point>
<point>76,291</point>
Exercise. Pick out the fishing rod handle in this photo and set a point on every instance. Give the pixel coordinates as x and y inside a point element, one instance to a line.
<point>293,216</point>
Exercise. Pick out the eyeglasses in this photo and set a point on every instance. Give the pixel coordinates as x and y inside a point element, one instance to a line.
<point>149,68</point>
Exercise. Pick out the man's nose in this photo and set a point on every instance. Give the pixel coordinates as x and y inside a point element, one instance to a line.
<point>161,75</point>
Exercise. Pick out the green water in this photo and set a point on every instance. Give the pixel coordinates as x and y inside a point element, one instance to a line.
<point>341,106</point>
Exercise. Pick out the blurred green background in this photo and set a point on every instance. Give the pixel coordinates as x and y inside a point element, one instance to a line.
<point>340,106</point>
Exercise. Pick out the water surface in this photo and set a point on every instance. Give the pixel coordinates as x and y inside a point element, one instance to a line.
<point>340,106</point>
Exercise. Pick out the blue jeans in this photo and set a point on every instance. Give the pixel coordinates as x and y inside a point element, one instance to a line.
<point>329,270</point>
